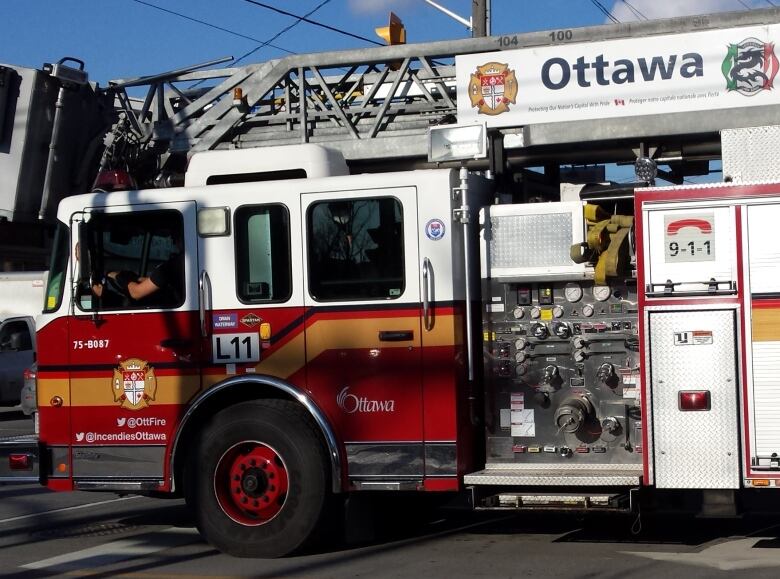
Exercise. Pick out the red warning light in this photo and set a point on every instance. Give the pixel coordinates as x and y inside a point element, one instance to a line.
<point>694,400</point>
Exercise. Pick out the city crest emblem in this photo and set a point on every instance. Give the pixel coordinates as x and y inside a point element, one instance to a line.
<point>492,88</point>
<point>750,66</point>
<point>134,384</point>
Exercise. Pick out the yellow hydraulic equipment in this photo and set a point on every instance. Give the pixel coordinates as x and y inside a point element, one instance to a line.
<point>607,243</point>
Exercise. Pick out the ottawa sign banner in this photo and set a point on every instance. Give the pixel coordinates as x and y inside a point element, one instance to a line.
<point>714,69</point>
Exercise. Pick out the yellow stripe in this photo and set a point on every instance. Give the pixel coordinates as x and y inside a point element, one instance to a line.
<point>321,336</point>
<point>352,334</point>
<point>48,388</point>
<point>364,333</point>
<point>285,361</point>
<point>99,391</point>
<point>766,324</point>
<point>447,331</point>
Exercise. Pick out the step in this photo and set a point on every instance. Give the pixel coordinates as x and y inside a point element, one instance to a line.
<point>557,475</point>
<point>571,501</point>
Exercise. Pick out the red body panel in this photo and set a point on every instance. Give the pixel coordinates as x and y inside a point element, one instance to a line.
<point>369,390</point>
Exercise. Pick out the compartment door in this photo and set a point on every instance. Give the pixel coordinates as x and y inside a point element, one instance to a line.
<point>694,390</point>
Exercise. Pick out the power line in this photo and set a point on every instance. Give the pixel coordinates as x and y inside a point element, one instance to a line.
<point>210,25</point>
<point>635,11</point>
<point>606,12</point>
<point>315,23</point>
<point>745,5</point>
<point>298,20</point>
<point>771,3</point>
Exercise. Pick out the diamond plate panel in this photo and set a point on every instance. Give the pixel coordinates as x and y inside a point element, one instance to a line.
<point>698,449</point>
<point>559,477</point>
<point>531,240</point>
<point>750,154</point>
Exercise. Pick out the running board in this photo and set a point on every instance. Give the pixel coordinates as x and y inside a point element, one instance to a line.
<point>405,485</point>
<point>571,501</point>
<point>137,486</point>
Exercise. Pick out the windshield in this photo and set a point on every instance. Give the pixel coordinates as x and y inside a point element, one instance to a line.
<point>57,266</point>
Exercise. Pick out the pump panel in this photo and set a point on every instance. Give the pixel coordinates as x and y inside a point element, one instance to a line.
<point>562,363</point>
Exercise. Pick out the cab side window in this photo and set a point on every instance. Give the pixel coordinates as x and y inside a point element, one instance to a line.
<point>134,248</point>
<point>263,267</point>
<point>356,249</point>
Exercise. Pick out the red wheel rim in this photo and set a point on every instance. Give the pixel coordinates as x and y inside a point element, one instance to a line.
<point>251,483</point>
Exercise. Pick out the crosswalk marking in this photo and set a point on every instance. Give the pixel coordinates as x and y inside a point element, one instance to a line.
<point>731,555</point>
<point>73,508</point>
<point>117,551</point>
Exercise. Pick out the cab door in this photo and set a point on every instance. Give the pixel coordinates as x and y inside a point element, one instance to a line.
<point>134,363</point>
<point>363,326</point>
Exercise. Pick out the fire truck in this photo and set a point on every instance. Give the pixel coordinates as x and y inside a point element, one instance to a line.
<point>403,269</point>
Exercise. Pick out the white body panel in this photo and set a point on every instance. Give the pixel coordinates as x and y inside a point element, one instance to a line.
<point>434,203</point>
<point>315,160</point>
<point>762,281</point>
<point>689,246</point>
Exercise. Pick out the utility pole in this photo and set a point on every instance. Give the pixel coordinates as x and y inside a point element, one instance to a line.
<point>479,23</point>
<point>480,18</point>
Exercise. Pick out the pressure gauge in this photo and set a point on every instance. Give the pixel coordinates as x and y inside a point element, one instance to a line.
<point>587,310</point>
<point>535,313</point>
<point>521,343</point>
<point>557,311</point>
<point>518,312</point>
<point>521,357</point>
<point>601,292</point>
<point>573,292</point>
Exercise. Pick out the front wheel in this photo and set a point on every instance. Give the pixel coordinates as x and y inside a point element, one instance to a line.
<point>258,479</point>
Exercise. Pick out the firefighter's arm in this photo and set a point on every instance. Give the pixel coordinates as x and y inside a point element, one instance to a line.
<point>127,284</point>
<point>140,289</point>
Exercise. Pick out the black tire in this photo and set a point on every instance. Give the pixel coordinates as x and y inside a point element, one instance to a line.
<point>266,441</point>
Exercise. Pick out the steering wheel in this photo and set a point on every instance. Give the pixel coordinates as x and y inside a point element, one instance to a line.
<point>117,284</point>
<point>112,285</point>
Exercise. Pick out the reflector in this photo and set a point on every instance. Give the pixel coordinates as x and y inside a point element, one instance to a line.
<point>19,461</point>
<point>694,400</point>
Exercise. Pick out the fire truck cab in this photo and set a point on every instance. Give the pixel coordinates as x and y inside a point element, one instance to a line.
<point>309,341</point>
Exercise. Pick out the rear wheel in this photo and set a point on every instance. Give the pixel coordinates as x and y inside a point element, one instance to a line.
<point>257,479</point>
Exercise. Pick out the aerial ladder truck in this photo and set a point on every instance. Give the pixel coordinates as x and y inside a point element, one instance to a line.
<point>404,269</point>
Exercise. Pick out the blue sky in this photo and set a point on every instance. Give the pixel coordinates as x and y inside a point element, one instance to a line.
<point>127,38</point>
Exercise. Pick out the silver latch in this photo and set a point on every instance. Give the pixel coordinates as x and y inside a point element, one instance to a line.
<point>461,215</point>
